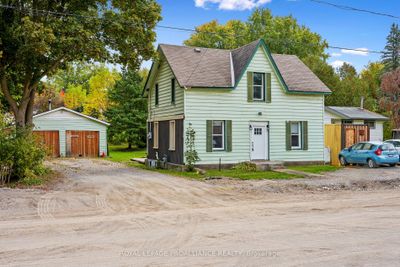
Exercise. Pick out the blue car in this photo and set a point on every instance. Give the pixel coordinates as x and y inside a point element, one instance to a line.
<point>371,153</point>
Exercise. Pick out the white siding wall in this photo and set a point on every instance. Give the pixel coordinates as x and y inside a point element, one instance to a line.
<point>377,133</point>
<point>328,117</point>
<point>165,108</point>
<point>222,104</point>
<point>64,121</point>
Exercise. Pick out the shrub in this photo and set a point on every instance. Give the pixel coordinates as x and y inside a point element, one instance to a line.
<point>20,151</point>
<point>191,154</point>
<point>245,166</point>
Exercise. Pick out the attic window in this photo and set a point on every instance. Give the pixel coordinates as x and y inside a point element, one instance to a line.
<point>197,50</point>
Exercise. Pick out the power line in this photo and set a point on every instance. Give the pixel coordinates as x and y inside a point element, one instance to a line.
<point>349,8</point>
<point>62,14</point>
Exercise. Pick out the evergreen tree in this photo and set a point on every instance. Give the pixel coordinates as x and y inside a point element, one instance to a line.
<point>127,111</point>
<point>391,54</point>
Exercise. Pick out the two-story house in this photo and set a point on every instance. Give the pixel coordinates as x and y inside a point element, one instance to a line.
<point>245,104</point>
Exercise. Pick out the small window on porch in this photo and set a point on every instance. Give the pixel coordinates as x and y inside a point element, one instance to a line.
<point>155,135</point>
<point>172,137</point>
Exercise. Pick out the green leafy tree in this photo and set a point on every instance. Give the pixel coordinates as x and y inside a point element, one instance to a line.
<point>75,97</point>
<point>390,100</point>
<point>127,111</point>
<point>35,44</point>
<point>282,34</point>
<point>96,101</point>
<point>391,54</point>
<point>372,75</point>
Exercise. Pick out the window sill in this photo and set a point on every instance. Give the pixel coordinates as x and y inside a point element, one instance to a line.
<point>172,150</point>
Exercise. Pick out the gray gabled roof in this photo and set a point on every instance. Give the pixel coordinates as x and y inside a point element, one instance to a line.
<point>207,67</point>
<point>297,75</point>
<point>354,113</point>
<point>71,111</point>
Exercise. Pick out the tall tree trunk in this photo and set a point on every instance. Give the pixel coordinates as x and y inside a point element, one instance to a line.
<point>129,146</point>
<point>29,109</point>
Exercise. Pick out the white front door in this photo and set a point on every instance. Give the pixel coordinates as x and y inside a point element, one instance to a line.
<point>259,141</point>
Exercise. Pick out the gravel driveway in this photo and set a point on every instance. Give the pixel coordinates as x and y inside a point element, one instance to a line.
<point>105,214</point>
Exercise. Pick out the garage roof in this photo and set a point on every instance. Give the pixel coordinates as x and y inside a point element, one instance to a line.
<point>354,113</point>
<point>71,111</point>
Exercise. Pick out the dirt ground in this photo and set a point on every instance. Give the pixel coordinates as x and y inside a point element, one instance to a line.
<point>105,214</point>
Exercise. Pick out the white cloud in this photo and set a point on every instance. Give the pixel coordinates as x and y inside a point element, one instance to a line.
<point>232,4</point>
<point>335,54</point>
<point>338,63</point>
<point>357,51</point>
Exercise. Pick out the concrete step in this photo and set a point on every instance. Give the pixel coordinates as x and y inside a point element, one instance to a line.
<point>268,165</point>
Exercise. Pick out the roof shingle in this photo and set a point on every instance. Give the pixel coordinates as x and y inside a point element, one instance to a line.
<point>207,67</point>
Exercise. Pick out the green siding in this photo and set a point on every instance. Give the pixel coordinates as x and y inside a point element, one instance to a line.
<point>64,121</point>
<point>232,104</point>
<point>165,108</point>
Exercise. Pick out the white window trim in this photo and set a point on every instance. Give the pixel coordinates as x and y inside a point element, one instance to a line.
<point>262,86</point>
<point>155,135</point>
<point>222,134</point>
<point>300,134</point>
<point>370,121</point>
<point>172,135</point>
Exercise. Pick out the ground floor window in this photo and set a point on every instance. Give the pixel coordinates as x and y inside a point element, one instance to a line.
<point>155,135</point>
<point>218,135</point>
<point>172,135</point>
<point>295,135</point>
<point>347,121</point>
<point>371,124</point>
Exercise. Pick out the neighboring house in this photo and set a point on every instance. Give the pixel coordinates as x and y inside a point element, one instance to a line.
<point>357,115</point>
<point>244,104</point>
<point>68,133</point>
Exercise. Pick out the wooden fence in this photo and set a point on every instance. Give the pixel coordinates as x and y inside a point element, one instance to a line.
<point>333,140</point>
<point>339,136</point>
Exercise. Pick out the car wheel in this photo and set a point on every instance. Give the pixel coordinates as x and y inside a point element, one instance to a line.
<point>392,165</point>
<point>371,163</point>
<point>343,161</point>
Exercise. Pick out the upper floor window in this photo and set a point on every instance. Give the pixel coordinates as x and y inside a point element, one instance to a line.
<point>218,135</point>
<point>172,91</point>
<point>258,86</point>
<point>156,95</point>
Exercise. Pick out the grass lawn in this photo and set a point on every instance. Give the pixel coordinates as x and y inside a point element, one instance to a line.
<point>120,153</point>
<point>314,168</point>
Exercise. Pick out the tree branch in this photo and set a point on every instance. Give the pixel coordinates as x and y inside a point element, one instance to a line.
<point>52,67</point>
<point>7,95</point>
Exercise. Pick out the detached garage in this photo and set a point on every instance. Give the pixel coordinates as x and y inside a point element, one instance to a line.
<point>68,133</point>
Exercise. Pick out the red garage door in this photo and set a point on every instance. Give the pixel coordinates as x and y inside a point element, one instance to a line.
<point>51,140</point>
<point>82,143</point>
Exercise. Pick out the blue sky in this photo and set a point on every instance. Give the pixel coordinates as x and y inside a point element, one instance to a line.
<point>339,27</point>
